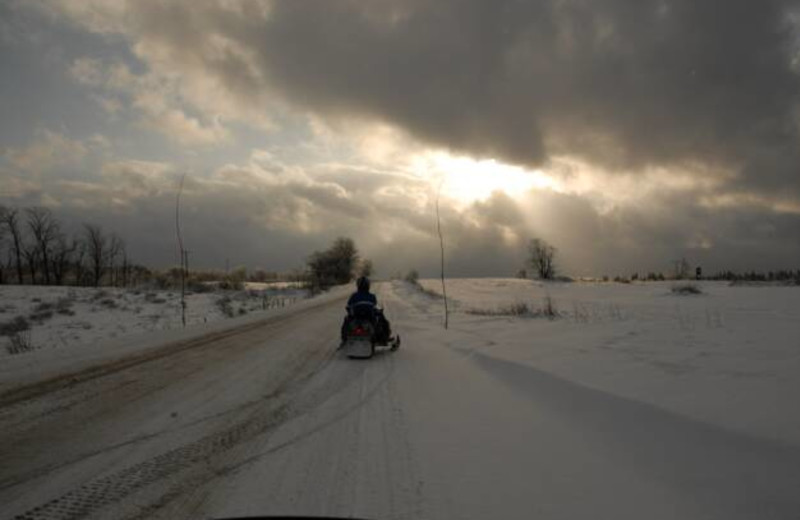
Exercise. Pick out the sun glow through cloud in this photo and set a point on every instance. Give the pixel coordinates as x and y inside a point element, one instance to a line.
<point>468,180</point>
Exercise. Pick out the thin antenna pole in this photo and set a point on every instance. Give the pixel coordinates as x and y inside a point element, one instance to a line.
<point>441,246</point>
<point>183,255</point>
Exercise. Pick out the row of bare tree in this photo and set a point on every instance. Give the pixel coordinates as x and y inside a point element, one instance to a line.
<point>35,249</point>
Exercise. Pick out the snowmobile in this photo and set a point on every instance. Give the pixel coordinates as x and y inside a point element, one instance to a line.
<point>363,335</point>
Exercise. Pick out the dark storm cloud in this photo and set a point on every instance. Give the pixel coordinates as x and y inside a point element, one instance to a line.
<point>624,83</point>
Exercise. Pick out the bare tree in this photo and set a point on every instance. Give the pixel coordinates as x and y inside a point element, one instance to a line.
<point>126,266</point>
<point>78,265</point>
<point>31,254</point>
<point>542,258</point>
<point>10,218</point>
<point>45,230</point>
<point>96,250</point>
<point>61,258</point>
<point>2,242</point>
<point>116,248</point>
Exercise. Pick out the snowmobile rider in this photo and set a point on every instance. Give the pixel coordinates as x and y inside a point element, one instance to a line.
<point>361,303</point>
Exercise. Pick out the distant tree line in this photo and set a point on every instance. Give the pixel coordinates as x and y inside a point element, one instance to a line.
<point>682,270</point>
<point>782,275</point>
<point>541,261</point>
<point>35,249</point>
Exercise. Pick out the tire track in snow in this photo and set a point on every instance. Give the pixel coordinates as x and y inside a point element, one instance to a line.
<point>105,491</point>
<point>42,419</point>
<point>305,398</point>
<point>259,416</point>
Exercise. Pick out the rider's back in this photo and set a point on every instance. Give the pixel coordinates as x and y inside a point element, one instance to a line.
<point>362,304</point>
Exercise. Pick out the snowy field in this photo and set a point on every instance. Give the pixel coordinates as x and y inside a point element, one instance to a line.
<point>729,356</point>
<point>67,324</point>
<point>556,401</point>
<point>61,317</point>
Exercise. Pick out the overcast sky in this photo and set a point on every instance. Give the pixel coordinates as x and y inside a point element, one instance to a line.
<point>627,133</point>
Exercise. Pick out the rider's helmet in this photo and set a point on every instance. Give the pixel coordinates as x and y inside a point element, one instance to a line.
<point>362,284</point>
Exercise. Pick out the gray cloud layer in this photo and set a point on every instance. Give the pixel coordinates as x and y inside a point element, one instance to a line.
<point>624,83</point>
<point>256,214</point>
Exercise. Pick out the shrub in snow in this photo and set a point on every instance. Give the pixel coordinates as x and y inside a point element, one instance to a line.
<point>44,306</point>
<point>42,312</point>
<point>514,309</point>
<point>64,306</point>
<point>198,287</point>
<point>520,310</point>
<point>549,309</point>
<point>18,333</point>
<point>503,310</point>
<point>20,342</point>
<point>41,316</point>
<point>224,306</point>
<point>231,285</point>
<point>99,295</point>
<point>18,324</point>
<point>109,303</point>
<point>152,297</point>
<point>686,289</point>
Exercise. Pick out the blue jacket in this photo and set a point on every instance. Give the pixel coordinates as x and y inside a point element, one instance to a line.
<point>361,298</point>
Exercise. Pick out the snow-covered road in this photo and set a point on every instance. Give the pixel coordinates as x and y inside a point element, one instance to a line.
<point>269,419</point>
